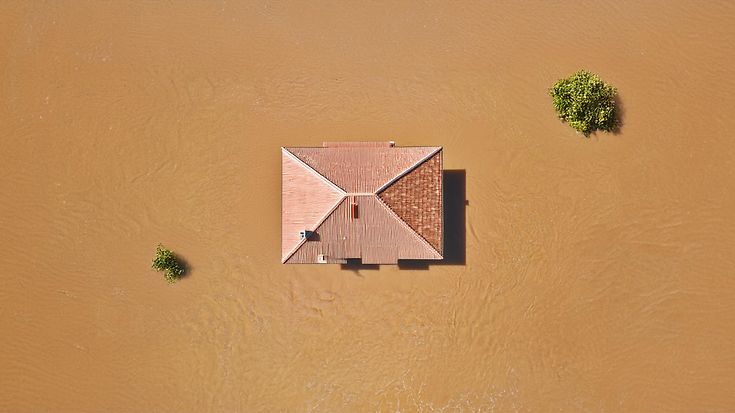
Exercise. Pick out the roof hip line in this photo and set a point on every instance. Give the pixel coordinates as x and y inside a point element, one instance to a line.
<point>405,172</point>
<point>405,224</point>
<point>320,222</point>
<point>312,170</point>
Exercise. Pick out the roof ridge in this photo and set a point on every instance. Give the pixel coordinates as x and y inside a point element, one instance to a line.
<point>329,212</point>
<point>311,169</point>
<point>409,169</point>
<point>405,224</point>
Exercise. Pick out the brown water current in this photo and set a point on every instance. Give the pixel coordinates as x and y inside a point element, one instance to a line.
<point>599,273</point>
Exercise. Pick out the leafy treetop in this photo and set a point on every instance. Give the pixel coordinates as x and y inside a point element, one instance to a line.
<point>167,262</point>
<point>585,102</point>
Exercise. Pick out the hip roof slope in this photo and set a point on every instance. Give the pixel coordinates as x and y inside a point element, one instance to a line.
<point>360,169</point>
<point>417,199</point>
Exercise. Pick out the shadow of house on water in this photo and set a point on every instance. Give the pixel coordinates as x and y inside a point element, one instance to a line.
<point>454,184</point>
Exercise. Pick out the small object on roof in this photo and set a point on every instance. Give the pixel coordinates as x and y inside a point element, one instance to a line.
<point>353,210</point>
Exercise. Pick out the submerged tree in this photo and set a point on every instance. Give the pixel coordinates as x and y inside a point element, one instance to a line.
<point>167,262</point>
<point>585,102</point>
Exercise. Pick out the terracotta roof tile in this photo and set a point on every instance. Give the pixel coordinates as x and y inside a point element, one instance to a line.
<point>306,198</point>
<point>417,199</point>
<point>405,222</point>
<point>360,169</point>
<point>377,236</point>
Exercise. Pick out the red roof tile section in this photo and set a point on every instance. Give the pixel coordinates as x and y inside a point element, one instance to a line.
<point>305,201</point>
<point>361,169</point>
<point>417,198</point>
<point>377,236</point>
<point>371,201</point>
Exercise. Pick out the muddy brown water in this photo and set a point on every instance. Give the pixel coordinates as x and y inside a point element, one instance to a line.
<point>599,273</point>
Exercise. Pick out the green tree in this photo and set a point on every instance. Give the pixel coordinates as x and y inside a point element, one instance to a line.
<point>166,261</point>
<point>585,102</point>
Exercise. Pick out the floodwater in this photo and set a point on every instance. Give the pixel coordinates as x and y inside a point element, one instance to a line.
<point>599,273</point>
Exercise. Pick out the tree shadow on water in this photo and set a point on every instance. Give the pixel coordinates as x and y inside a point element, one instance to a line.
<point>619,115</point>
<point>185,266</point>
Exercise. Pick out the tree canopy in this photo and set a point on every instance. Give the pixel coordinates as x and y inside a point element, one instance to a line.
<point>585,102</point>
<point>166,261</point>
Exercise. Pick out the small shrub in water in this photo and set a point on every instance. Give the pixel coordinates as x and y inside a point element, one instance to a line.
<point>585,102</point>
<point>167,262</point>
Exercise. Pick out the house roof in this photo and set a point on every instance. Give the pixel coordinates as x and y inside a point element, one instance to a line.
<point>371,201</point>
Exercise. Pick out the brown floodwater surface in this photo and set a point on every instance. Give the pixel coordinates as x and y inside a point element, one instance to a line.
<point>599,273</point>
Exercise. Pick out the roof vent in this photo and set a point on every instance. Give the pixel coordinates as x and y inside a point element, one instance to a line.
<point>305,234</point>
<point>353,210</point>
<point>321,259</point>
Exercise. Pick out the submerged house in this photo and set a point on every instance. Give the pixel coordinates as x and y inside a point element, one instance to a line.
<point>361,200</point>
